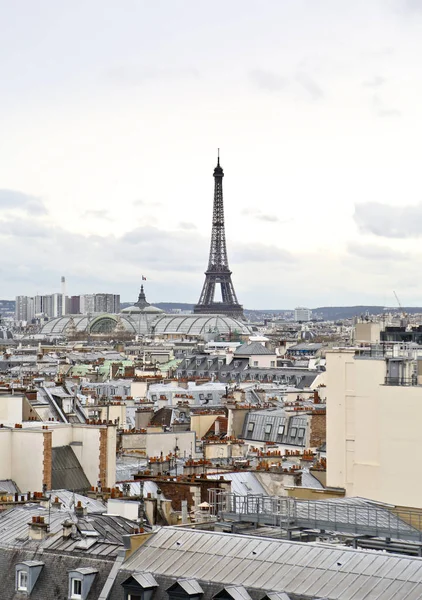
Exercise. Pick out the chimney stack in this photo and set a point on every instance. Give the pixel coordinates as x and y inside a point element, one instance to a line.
<point>56,504</point>
<point>38,529</point>
<point>80,511</point>
<point>67,528</point>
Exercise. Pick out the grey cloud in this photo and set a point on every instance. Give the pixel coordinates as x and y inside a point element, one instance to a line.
<point>12,199</point>
<point>411,5</point>
<point>134,75</point>
<point>141,202</point>
<point>310,86</point>
<point>268,218</point>
<point>376,253</point>
<point>186,225</point>
<point>21,228</point>
<point>374,82</point>
<point>381,110</point>
<point>389,221</point>
<point>257,214</point>
<point>247,212</point>
<point>260,253</point>
<point>98,214</point>
<point>267,80</point>
<point>273,82</point>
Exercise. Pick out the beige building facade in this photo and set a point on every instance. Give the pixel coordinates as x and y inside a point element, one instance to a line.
<point>374,416</point>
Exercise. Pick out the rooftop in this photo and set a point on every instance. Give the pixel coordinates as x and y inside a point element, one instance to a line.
<point>307,570</point>
<point>252,349</point>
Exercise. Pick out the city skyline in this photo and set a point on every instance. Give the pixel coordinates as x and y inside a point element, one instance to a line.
<point>107,151</point>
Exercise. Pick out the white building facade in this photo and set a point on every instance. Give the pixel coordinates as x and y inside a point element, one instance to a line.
<point>303,314</point>
<point>374,411</point>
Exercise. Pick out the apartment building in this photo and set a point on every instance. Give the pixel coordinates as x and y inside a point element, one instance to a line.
<point>374,411</point>
<point>99,303</point>
<point>302,314</point>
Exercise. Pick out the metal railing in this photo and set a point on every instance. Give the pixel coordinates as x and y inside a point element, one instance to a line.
<point>406,381</point>
<point>364,519</point>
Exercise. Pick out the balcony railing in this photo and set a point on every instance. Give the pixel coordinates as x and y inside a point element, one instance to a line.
<point>407,381</point>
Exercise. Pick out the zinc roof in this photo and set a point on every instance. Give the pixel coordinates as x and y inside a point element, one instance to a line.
<point>67,472</point>
<point>145,580</point>
<point>252,349</point>
<point>308,570</point>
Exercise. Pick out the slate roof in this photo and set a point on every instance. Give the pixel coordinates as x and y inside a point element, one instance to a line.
<point>260,565</point>
<point>9,486</point>
<point>52,583</point>
<point>252,349</point>
<point>239,370</point>
<point>242,482</point>
<point>163,416</point>
<point>67,472</point>
<point>94,534</point>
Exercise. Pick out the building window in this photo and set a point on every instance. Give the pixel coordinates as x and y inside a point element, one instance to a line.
<point>301,432</point>
<point>76,589</point>
<point>255,363</point>
<point>23,581</point>
<point>251,427</point>
<point>293,432</point>
<point>134,597</point>
<point>280,432</point>
<point>267,431</point>
<point>272,363</point>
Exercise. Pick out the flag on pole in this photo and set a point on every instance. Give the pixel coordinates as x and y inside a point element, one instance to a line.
<point>144,278</point>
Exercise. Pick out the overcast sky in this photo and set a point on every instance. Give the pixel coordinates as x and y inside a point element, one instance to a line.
<point>111,115</point>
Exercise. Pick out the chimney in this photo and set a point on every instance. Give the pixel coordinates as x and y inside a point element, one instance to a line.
<point>67,528</point>
<point>80,511</point>
<point>56,504</point>
<point>184,512</point>
<point>37,529</point>
<point>44,501</point>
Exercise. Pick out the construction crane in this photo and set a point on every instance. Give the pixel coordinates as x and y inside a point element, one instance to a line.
<point>403,314</point>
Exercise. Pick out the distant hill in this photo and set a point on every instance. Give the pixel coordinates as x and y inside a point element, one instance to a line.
<point>334,313</point>
<point>165,306</point>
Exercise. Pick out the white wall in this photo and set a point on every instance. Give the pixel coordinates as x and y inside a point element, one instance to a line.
<point>27,459</point>
<point>89,453</point>
<point>5,454</point>
<point>263,360</point>
<point>200,424</point>
<point>138,389</point>
<point>373,432</point>
<point>367,332</point>
<point>128,509</point>
<point>11,409</point>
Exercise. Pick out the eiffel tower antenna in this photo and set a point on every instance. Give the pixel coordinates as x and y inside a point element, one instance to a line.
<point>218,271</point>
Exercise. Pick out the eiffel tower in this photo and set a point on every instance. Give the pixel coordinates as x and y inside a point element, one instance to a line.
<point>218,271</point>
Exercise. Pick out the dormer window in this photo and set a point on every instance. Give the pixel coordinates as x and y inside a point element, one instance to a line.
<point>76,589</point>
<point>80,582</point>
<point>22,581</point>
<point>185,589</point>
<point>27,573</point>
<point>139,586</point>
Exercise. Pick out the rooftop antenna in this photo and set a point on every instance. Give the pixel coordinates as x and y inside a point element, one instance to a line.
<point>218,156</point>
